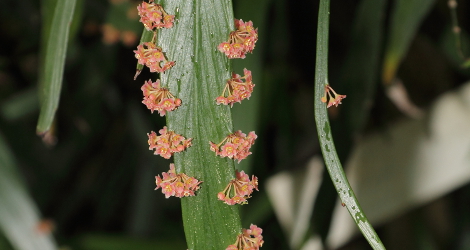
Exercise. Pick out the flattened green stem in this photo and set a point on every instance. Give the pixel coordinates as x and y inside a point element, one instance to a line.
<point>198,77</point>
<point>51,78</point>
<point>330,156</point>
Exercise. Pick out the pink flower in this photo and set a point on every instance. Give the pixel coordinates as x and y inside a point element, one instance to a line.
<point>240,41</point>
<point>153,16</point>
<point>228,150</point>
<point>178,185</point>
<point>159,99</point>
<point>165,145</point>
<point>333,100</point>
<point>236,145</point>
<point>238,189</point>
<point>249,239</point>
<point>151,55</point>
<point>236,90</point>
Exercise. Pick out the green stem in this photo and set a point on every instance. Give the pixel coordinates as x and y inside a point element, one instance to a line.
<point>330,156</point>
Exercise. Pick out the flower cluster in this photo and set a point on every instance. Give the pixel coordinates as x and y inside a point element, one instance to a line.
<point>250,239</point>
<point>153,16</point>
<point>237,145</point>
<point>159,99</point>
<point>178,185</point>
<point>336,100</point>
<point>167,143</point>
<point>238,189</point>
<point>236,90</point>
<point>151,55</point>
<point>240,41</point>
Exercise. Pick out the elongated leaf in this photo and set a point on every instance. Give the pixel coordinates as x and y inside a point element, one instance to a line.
<point>18,213</point>
<point>330,156</point>
<point>198,77</point>
<point>51,80</point>
<point>406,17</point>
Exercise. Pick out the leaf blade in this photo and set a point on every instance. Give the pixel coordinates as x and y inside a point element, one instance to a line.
<point>198,77</point>
<point>52,75</point>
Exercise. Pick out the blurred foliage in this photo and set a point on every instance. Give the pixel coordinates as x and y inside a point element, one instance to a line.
<point>96,183</point>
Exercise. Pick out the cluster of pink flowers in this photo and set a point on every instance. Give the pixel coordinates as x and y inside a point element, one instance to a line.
<point>333,100</point>
<point>159,99</point>
<point>250,239</point>
<point>238,189</point>
<point>167,143</point>
<point>178,185</point>
<point>237,145</point>
<point>240,41</point>
<point>151,55</point>
<point>236,90</point>
<point>153,16</point>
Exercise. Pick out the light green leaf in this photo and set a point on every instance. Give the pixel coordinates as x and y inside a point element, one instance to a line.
<point>51,79</point>
<point>198,77</point>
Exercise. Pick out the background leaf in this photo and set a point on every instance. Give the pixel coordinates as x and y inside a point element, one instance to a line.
<point>19,217</point>
<point>51,81</point>
<point>406,17</point>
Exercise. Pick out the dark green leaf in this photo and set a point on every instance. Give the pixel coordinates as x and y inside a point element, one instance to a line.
<point>406,17</point>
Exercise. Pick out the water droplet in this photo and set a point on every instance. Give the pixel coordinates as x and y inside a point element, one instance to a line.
<point>353,207</point>
<point>177,9</point>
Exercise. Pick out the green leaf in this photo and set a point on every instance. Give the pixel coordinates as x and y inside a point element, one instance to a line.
<point>19,215</point>
<point>407,15</point>
<point>198,77</point>
<point>330,156</point>
<point>51,79</point>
